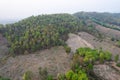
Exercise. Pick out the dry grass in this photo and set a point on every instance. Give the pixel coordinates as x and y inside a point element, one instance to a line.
<point>55,60</point>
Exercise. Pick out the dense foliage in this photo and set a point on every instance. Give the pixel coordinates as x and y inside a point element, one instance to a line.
<point>40,32</point>
<point>80,75</point>
<point>92,55</point>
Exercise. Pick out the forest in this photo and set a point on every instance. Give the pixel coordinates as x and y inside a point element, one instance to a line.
<point>41,32</point>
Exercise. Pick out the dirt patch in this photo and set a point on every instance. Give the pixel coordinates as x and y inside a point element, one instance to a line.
<point>76,42</point>
<point>105,72</point>
<point>55,60</point>
<point>100,44</point>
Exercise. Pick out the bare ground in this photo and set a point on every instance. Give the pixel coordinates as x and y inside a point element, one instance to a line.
<point>108,32</point>
<point>105,72</point>
<point>76,42</point>
<point>55,60</point>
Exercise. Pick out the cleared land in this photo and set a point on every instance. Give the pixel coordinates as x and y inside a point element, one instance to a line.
<point>99,44</point>
<point>108,32</point>
<point>76,42</point>
<point>105,72</point>
<point>55,60</point>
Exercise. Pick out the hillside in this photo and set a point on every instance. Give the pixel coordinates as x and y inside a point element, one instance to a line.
<point>61,47</point>
<point>39,32</point>
<point>109,20</point>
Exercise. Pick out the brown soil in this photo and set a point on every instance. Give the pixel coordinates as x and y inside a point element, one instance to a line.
<point>108,32</point>
<point>105,72</point>
<point>55,60</point>
<point>76,42</point>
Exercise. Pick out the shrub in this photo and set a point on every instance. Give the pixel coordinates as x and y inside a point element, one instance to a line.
<point>43,73</point>
<point>112,39</point>
<point>108,56</point>
<point>101,56</point>
<point>116,58</point>
<point>67,49</point>
<point>69,75</point>
<point>118,64</point>
<point>80,75</point>
<point>118,43</point>
<point>61,77</point>
<point>28,75</point>
<point>49,77</point>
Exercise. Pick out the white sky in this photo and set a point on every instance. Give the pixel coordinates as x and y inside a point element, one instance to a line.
<point>16,9</point>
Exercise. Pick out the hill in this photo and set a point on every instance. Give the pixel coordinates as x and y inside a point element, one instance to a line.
<point>70,46</point>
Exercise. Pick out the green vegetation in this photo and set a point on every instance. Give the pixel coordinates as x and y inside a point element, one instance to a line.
<point>118,64</point>
<point>118,43</point>
<point>67,49</point>
<point>80,75</point>
<point>2,78</point>
<point>92,55</point>
<point>43,73</point>
<point>82,64</point>
<point>116,58</point>
<point>28,75</point>
<point>40,32</point>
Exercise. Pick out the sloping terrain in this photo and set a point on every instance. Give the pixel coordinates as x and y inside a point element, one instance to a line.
<point>3,46</point>
<point>83,39</point>
<point>76,42</point>
<point>105,72</point>
<point>99,44</point>
<point>108,32</point>
<point>55,60</point>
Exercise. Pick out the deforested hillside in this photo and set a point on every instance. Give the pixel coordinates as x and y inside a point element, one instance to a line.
<point>62,47</point>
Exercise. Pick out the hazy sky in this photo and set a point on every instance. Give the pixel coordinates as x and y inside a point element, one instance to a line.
<point>13,9</point>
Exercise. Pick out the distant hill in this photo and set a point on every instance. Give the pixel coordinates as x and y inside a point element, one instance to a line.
<point>111,18</point>
<point>8,21</point>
